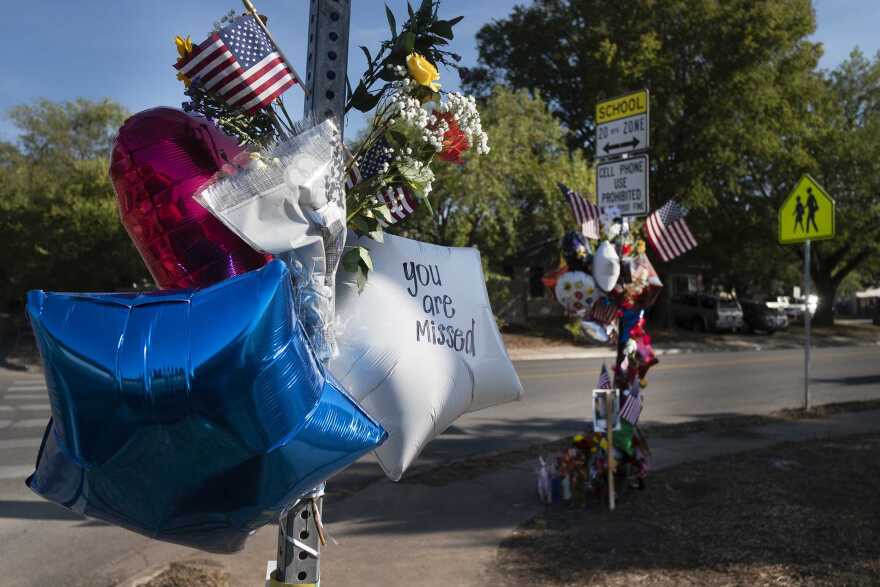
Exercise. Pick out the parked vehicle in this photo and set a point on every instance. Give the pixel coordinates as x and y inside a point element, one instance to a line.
<point>707,313</point>
<point>759,316</point>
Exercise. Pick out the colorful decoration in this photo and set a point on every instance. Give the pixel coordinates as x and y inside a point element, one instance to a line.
<point>419,346</point>
<point>606,284</point>
<point>189,416</point>
<point>163,157</point>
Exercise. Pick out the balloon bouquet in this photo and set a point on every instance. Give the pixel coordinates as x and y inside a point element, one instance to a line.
<point>197,413</point>
<point>606,284</point>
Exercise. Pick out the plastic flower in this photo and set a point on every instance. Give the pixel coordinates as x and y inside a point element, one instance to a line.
<point>423,71</point>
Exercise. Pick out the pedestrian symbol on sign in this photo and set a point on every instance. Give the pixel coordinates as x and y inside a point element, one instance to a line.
<point>806,214</point>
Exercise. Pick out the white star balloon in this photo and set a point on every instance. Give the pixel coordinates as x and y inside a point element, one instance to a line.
<point>419,346</point>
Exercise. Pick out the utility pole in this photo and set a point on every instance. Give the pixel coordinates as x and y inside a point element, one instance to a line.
<point>300,534</point>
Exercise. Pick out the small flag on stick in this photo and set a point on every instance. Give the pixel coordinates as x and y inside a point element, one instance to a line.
<point>632,407</point>
<point>604,379</point>
<point>668,233</point>
<point>585,213</point>
<point>240,64</point>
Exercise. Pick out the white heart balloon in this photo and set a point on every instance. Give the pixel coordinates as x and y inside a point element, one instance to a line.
<point>606,266</point>
<point>577,292</point>
<point>419,346</point>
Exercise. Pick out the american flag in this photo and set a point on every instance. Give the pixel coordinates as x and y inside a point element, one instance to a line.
<point>240,64</point>
<point>668,233</point>
<point>400,201</point>
<point>604,379</point>
<point>604,311</point>
<point>585,213</point>
<point>632,407</point>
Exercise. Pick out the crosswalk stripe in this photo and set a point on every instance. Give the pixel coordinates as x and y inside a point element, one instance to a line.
<point>30,423</point>
<point>23,396</point>
<point>14,443</point>
<point>15,471</point>
<point>6,408</point>
<point>32,407</point>
<point>27,387</point>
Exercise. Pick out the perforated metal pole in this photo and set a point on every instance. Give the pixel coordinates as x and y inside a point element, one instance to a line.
<point>327,62</point>
<point>299,541</point>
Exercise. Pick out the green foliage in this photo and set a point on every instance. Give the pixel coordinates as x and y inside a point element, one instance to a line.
<point>59,224</point>
<point>738,112</point>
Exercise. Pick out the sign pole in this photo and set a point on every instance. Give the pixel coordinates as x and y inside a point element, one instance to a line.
<point>807,324</point>
<point>300,530</point>
<point>609,419</point>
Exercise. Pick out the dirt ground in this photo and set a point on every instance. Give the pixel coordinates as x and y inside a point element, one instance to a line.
<point>795,514</point>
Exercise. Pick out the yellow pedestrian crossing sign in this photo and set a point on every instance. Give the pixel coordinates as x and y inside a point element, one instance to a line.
<point>806,214</point>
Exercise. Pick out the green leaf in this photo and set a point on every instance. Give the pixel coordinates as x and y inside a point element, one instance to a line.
<point>425,9</point>
<point>365,259</point>
<point>351,260</point>
<point>363,100</point>
<point>392,24</point>
<point>405,43</point>
<point>377,235</point>
<point>442,28</point>
<point>368,56</point>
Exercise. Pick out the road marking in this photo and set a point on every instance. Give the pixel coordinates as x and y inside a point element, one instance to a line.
<point>30,423</point>
<point>734,362</point>
<point>15,471</point>
<point>33,407</point>
<point>6,408</point>
<point>27,387</point>
<point>24,396</point>
<point>20,443</point>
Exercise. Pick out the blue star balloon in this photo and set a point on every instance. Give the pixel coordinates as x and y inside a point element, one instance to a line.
<point>193,417</point>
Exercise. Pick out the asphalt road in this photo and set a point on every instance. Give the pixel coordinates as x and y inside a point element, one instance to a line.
<point>44,544</point>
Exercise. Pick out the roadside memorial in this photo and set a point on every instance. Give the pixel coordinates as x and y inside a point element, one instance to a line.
<point>606,283</point>
<point>807,215</point>
<point>224,401</point>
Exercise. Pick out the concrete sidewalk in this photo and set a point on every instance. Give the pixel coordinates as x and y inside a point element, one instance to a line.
<point>433,532</point>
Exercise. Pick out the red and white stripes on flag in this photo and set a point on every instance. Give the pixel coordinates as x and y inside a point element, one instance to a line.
<point>400,202</point>
<point>604,311</point>
<point>586,214</point>
<point>240,64</point>
<point>632,408</point>
<point>668,233</point>
<point>604,379</point>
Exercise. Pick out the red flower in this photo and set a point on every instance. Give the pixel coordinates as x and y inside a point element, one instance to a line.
<point>454,140</point>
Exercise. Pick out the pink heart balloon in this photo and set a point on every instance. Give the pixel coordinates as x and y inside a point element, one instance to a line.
<point>163,157</point>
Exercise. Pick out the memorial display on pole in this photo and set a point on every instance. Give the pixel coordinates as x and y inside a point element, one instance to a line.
<point>247,377</point>
<point>605,283</point>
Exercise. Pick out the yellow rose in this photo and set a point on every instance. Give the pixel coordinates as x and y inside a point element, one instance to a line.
<point>184,46</point>
<point>640,247</point>
<point>186,81</point>
<point>423,71</point>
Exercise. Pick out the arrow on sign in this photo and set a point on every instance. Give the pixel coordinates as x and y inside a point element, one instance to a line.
<point>611,146</point>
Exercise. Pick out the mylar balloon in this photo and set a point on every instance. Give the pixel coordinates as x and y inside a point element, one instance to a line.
<point>576,251</point>
<point>161,158</point>
<point>577,292</point>
<point>606,266</point>
<point>420,346</point>
<point>189,416</point>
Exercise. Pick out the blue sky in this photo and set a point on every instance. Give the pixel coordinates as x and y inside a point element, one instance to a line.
<point>123,49</point>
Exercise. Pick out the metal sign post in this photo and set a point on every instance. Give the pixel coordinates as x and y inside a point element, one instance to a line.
<point>300,531</point>
<point>807,214</point>
<point>807,324</point>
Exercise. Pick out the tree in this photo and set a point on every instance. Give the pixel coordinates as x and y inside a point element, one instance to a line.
<point>738,113</point>
<point>507,200</point>
<point>844,161</point>
<point>59,224</point>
